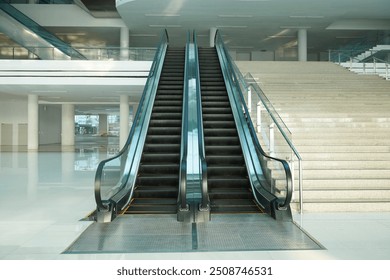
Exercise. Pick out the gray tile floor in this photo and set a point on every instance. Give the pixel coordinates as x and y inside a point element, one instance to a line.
<point>45,194</point>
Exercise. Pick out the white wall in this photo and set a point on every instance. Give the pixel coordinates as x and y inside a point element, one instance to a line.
<point>13,112</point>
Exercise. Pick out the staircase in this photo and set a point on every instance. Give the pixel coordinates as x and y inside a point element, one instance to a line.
<point>156,187</point>
<point>372,51</point>
<point>228,183</point>
<point>340,124</point>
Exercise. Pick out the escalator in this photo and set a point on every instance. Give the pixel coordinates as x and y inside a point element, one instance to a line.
<point>32,36</point>
<point>228,183</point>
<point>156,186</point>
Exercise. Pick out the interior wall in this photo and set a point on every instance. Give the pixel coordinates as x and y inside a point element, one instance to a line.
<point>49,124</point>
<point>13,113</point>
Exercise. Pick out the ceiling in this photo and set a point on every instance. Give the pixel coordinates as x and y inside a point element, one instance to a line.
<point>258,24</point>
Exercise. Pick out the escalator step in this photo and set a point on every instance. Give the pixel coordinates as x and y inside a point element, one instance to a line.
<point>224,182</point>
<point>163,139</point>
<point>160,157</point>
<point>224,159</point>
<point>159,148</point>
<point>227,171</point>
<point>152,169</point>
<point>223,150</point>
<point>164,130</point>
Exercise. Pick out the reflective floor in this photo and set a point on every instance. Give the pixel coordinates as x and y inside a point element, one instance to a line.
<point>44,195</point>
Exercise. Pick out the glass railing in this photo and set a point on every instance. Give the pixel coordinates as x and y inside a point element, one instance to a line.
<point>39,1</point>
<point>272,133</point>
<point>115,177</point>
<point>270,177</point>
<point>33,29</point>
<point>107,53</point>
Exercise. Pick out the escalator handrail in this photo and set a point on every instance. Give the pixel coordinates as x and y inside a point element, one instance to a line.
<point>182,196</point>
<point>202,155</point>
<point>40,31</point>
<point>245,114</point>
<point>139,119</point>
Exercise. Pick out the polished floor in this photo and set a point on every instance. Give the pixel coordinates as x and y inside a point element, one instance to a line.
<point>45,195</point>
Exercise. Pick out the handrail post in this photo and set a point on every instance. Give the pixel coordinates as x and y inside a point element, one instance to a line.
<point>300,187</point>
<point>258,117</point>
<point>272,139</point>
<point>249,100</point>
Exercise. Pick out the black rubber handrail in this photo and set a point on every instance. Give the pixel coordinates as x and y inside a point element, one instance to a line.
<point>139,118</point>
<point>259,151</point>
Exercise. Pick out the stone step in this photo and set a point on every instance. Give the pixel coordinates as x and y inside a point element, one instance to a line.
<point>338,184</point>
<point>326,174</point>
<point>341,206</point>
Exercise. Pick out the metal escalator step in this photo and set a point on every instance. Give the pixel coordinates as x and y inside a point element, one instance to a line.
<point>160,157</point>
<point>216,104</point>
<point>217,110</point>
<point>221,182</point>
<point>227,171</point>
<point>157,179</point>
<point>221,140</point>
<point>220,131</point>
<point>152,209</point>
<point>217,117</point>
<point>166,116</point>
<point>169,130</point>
<point>219,124</point>
<point>163,139</point>
<point>156,192</point>
<point>158,148</point>
<point>165,123</point>
<point>223,150</point>
<point>167,109</point>
<point>151,169</point>
<point>235,209</point>
<point>224,159</point>
<point>229,193</point>
<point>178,103</point>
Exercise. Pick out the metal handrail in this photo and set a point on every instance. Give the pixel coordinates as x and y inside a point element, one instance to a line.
<point>131,145</point>
<point>259,151</point>
<point>205,205</point>
<point>91,53</point>
<point>281,127</point>
<point>182,197</point>
<point>374,59</point>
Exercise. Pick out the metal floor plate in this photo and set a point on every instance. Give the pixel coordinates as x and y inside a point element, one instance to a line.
<point>162,233</point>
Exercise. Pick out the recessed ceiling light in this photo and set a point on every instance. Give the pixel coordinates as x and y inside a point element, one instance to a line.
<point>162,15</point>
<point>232,26</point>
<point>164,26</point>
<point>295,27</point>
<point>306,16</point>
<point>235,16</point>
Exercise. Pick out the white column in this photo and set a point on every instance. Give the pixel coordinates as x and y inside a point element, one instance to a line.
<point>123,120</point>
<point>213,31</point>
<point>124,43</point>
<point>103,124</point>
<point>67,128</point>
<point>302,44</point>
<point>32,127</point>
